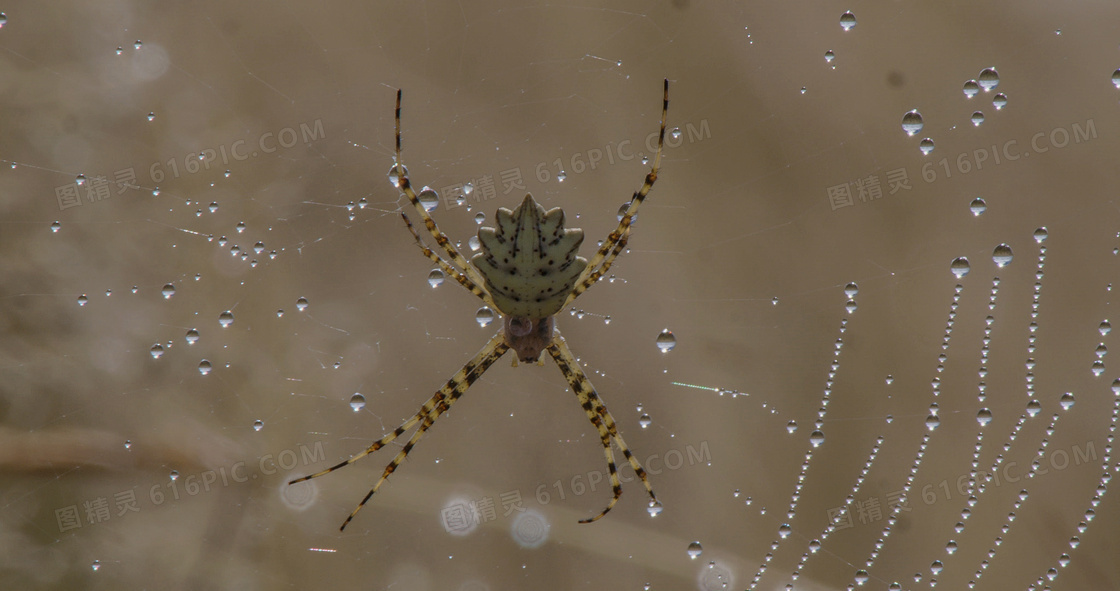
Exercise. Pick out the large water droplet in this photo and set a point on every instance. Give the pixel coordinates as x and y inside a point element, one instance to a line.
<point>847,21</point>
<point>1066,401</point>
<point>435,278</point>
<point>225,319</point>
<point>694,550</point>
<point>428,198</point>
<point>1002,255</point>
<point>484,316</point>
<point>971,88</point>
<point>932,422</point>
<point>357,402</point>
<point>926,146</point>
<point>978,207</point>
<point>204,367</point>
<point>912,122</point>
<point>168,291</point>
<point>816,438</point>
<point>960,267</point>
<point>988,79</point>
<point>666,341</point>
<point>984,416</point>
<point>393,178</point>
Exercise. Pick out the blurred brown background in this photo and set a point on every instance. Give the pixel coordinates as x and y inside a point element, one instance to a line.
<point>743,251</point>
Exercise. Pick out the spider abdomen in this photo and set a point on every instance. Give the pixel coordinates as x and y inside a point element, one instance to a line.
<point>529,260</point>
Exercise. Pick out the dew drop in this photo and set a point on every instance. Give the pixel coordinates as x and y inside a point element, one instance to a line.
<point>435,278</point>
<point>174,475</point>
<point>561,176</point>
<point>156,351</point>
<point>1116,78</point>
<point>989,79</point>
<point>932,422</point>
<point>168,291</point>
<point>1033,408</point>
<point>128,444</point>
<point>829,56</point>
<point>204,367</point>
<point>816,438</point>
<point>676,133</point>
<point>645,421</point>
<point>56,226</point>
<point>960,267</point>
<point>666,341</point>
<point>392,174</point>
<point>1040,235</point>
<point>1066,401</point>
<point>984,416</point>
<point>978,207</point>
<point>847,21</point>
<point>258,425</point>
<point>971,88</point>
<point>694,550</point>
<point>926,146</point>
<point>654,508</point>
<point>301,304</point>
<point>428,198</point>
<point>784,531</point>
<point>862,577</point>
<point>977,118</point>
<point>791,426</point>
<point>912,122</point>
<point>851,290</point>
<point>225,319</point>
<point>82,299</point>
<point>935,567</point>
<point>96,565</point>
<point>479,218</point>
<point>999,101</point>
<point>1002,255</point>
<point>357,402</point>
<point>484,316</point>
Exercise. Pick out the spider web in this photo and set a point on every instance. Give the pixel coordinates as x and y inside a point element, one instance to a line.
<point>235,301</point>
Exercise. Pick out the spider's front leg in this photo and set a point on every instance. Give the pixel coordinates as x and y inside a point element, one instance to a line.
<point>405,186</point>
<point>610,249</point>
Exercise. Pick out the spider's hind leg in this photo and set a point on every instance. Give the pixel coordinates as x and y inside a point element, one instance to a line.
<point>600,417</point>
<point>428,413</point>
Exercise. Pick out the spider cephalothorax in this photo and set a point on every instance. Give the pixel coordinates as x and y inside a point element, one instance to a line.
<point>528,270</point>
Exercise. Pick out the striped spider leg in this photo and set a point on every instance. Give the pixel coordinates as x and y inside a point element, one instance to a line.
<point>528,269</point>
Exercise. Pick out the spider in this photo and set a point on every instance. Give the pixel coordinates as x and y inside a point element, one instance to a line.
<point>528,269</point>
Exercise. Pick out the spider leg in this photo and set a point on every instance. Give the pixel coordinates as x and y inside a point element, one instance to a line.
<point>405,187</point>
<point>597,274</point>
<point>614,237</point>
<point>600,417</point>
<point>428,413</point>
<point>450,270</point>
